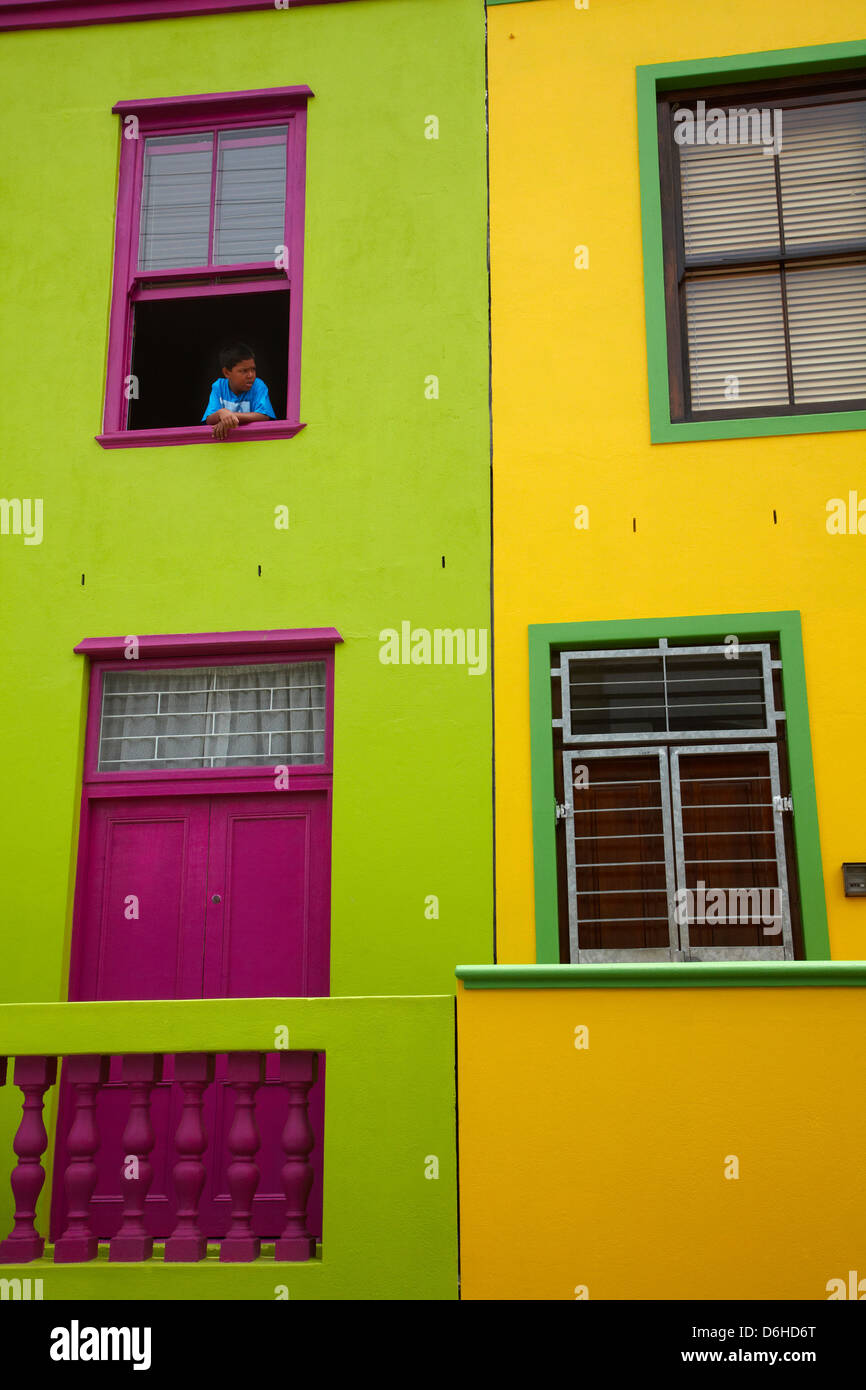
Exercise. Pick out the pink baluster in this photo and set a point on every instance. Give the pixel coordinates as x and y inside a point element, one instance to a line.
<point>246,1072</point>
<point>141,1072</point>
<point>298,1070</point>
<point>33,1075</point>
<point>195,1072</point>
<point>78,1243</point>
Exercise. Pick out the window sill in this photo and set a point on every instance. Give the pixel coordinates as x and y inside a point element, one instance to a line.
<point>663,430</point>
<point>818,974</point>
<point>196,434</point>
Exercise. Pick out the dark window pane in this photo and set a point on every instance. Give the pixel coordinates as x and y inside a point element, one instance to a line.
<point>617,695</point>
<point>714,692</point>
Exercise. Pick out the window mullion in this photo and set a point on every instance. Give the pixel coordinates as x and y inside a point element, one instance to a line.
<point>213,185</point>
<point>758,260</point>
<point>683,372</point>
<point>789,361</point>
<point>669,824</point>
<point>679,871</point>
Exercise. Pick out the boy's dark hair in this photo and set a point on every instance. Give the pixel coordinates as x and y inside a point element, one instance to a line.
<point>231,356</point>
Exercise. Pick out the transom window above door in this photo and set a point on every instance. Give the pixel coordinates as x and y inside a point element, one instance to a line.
<point>672,789</point>
<point>213,716</point>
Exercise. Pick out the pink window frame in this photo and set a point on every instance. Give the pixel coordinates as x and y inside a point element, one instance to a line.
<point>205,649</point>
<point>191,115</point>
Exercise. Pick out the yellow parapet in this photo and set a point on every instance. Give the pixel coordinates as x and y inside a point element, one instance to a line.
<point>661,1143</point>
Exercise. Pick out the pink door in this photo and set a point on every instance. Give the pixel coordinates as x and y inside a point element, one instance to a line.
<point>202,897</point>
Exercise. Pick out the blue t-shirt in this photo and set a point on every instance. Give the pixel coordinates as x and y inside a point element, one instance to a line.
<point>256,400</point>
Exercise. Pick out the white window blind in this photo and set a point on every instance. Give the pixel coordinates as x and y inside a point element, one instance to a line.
<point>180,204</point>
<point>175,202</point>
<point>223,716</point>
<point>249,221</point>
<point>822,170</point>
<point>729,200</point>
<point>827,316</point>
<point>794,332</point>
<point>736,341</point>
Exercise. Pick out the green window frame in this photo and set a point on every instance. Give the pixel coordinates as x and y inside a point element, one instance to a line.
<point>703,75</point>
<point>547,639</point>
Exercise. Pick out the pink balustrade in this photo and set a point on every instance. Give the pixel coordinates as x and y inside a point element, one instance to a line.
<point>141,1073</point>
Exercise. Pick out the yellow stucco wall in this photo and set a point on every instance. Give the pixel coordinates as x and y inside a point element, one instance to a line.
<point>571,420</point>
<point>604,1166</point>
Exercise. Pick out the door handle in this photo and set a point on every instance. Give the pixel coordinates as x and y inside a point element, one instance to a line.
<point>216,898</point>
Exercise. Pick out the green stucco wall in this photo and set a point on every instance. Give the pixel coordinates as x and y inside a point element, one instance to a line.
<point>390,1212</point>
<point>380,485</point>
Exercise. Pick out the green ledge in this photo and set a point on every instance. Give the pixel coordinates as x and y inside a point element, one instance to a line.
<point>262,1280</point>
<point>744,974</point>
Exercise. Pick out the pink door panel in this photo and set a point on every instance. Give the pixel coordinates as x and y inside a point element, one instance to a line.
<point>267,934</point>
<point>148,875</point>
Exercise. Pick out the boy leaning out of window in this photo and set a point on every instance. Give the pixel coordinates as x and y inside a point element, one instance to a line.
<point>238,397</point>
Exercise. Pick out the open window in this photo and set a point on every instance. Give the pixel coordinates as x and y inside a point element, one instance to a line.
<point>209,250</point>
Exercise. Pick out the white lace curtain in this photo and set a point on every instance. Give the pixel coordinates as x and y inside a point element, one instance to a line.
<point>220,716</point>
